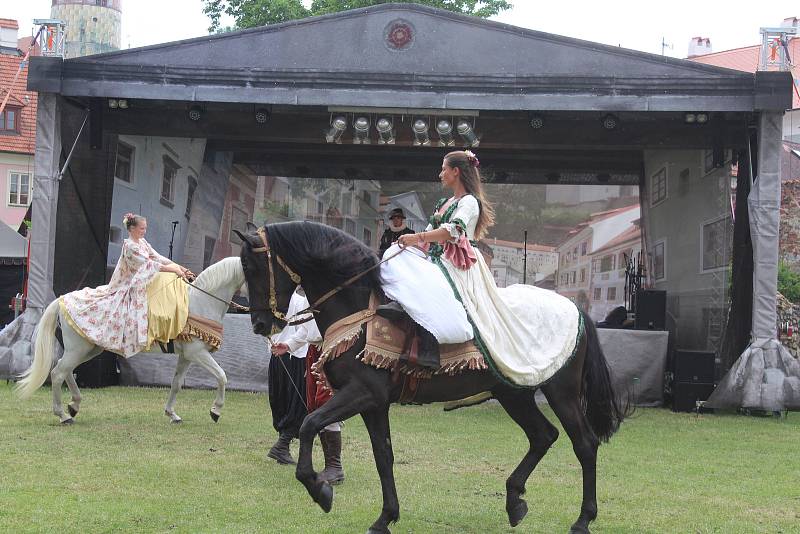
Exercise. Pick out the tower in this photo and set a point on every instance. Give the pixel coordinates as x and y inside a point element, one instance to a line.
<point>92,26</point>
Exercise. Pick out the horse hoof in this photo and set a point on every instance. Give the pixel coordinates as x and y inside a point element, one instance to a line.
<point>214,416</point>
<point>176,421</point>
<point>374,531</point>
<point>69,421</point>
<point>579,529</point>
<point>325,499</point>
<point>518,513</point>
<point>72,411</point>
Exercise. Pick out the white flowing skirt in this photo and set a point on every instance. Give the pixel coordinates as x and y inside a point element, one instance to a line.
<point>529,332</point>
<point>422,290</point>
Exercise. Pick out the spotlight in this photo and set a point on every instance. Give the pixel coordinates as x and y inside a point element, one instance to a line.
<point>195,113</point>
<point>334,133</point>
<point>690,118</point>
<point>421,137</point>
<point>361,131</point>
<point>467,133</point>
<point>610,122</point>
<point>262,115</point>
<point>445,130</point>
<point>385,131</point>
<point>537,122</point>
<point>702,118</point>
<point>603,177</point>
<point>552,177</point>
<point>123,104</point>
<point>113,103</point>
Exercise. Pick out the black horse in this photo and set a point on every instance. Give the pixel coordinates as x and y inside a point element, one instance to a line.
<point>580,393</point>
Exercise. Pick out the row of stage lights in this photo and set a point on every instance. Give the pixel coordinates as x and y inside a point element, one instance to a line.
<point>384,126</point>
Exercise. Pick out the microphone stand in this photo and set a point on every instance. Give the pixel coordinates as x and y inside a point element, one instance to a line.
<point>172,238</point>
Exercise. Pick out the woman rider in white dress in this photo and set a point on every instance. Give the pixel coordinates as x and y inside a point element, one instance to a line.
<point>525,333</point>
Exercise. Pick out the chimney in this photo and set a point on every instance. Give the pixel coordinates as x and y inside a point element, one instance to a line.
<point>8,34</point>
<point>790,22</point>
<point>699,46</point>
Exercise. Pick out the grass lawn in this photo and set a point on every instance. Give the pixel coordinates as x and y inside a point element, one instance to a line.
<point>123,467</point>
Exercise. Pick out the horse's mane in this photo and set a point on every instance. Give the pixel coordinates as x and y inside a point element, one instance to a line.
<point>324,251</point>
<point>218,273</point>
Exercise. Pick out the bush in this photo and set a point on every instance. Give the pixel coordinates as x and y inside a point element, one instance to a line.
<point>788,282</point>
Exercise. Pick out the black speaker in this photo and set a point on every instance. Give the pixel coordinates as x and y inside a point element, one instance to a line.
<point>98,372</point>
<point>651,309</point>
<point>686,394</point>
<point>694,366</point>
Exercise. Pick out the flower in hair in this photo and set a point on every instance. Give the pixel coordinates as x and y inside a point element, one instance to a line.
<point>472,158</point>
<point>127,217</point>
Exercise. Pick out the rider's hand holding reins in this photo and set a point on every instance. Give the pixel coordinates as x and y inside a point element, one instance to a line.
<point>279,349</point>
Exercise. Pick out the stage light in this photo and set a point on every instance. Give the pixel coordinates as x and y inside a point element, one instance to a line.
<point>702,118</point>
<point>334,133</point>
<point>690,118</point>
<point>468,134</point>
<point>537,122</point>
<point>113,103</point>
<point>123,104</point>
<point>445,130</point>
<point>361,131</point>
<point>610,122</point>
<point>421,137</point>
<point>552,177</point>
<point>603,177</point>
<point>262,115</point>
<point>195,113</point>
<point>385,131</point>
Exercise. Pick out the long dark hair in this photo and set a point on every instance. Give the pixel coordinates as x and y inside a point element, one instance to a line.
<point>471,178</point>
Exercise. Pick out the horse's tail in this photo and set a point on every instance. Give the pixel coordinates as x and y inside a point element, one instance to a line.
<point>37,373</point>
<point>604,409</point>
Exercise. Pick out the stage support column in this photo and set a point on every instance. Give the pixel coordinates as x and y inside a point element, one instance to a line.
<point>766,376</point>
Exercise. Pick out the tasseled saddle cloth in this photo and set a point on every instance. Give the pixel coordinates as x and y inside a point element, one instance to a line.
<point>390,346</point>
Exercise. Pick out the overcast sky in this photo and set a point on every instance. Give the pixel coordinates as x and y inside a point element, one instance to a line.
<point>629,23</point>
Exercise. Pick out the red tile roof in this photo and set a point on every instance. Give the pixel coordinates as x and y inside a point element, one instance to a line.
<point>514,244</point>
<point>11,24</point>
<point>26,140</point>
<point>746,59</point>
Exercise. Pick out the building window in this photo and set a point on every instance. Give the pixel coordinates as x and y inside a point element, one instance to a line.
<point>612,293</point>
<point>708,161</point>
<point>208,251</point>
<point>9,120</point>
<point>19,189</point>
<point>606,264</point>
<point>659,264</point>
<point>583,275</point>
<point>584,245</point>
<point>367,198</point>
<point>598,293</point>
<point>238,222</point>
<point>168,181</point>
<point>320,207</point>
<point>123,165</point>
<point>658,187</point>
<point>367,237</point>
<point>350,226</point>
<point>190,195</point>
<point>716,247</point>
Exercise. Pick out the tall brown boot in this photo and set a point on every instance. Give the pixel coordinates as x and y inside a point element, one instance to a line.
<point>280,451</point>
<point>332,448</point>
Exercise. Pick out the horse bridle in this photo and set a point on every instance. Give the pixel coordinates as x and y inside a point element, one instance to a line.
<point>273,298</point>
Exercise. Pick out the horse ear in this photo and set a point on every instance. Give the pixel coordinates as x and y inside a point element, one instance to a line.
<point>251,227</point>
<point>241,235</point>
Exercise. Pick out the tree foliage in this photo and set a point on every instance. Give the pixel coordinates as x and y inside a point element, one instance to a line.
<point>788,283</point>
<point>252,13</point>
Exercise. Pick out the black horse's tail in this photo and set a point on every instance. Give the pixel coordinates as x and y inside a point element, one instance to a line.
<point>604,409</point>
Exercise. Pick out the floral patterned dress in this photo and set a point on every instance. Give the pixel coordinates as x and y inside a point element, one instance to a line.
<point>114,316</point>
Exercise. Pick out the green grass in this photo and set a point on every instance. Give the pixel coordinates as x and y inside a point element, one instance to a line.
<point>122,467</point>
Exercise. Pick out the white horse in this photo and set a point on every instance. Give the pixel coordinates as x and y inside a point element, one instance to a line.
<point>221,279</point>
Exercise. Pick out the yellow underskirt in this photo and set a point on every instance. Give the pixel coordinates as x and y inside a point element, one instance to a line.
<point>167,308</point>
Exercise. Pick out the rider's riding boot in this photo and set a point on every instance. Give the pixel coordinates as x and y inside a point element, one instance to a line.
<point>332,448</point>
<point>428,349</point>
<point>392,311</point>
<point>280,451</point>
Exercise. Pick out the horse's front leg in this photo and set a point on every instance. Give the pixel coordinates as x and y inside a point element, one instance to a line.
<point>177,380</point>
<point>74,407</point>
<point>203,357</point>
<point>347,402</point>
<point>377,423</point>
